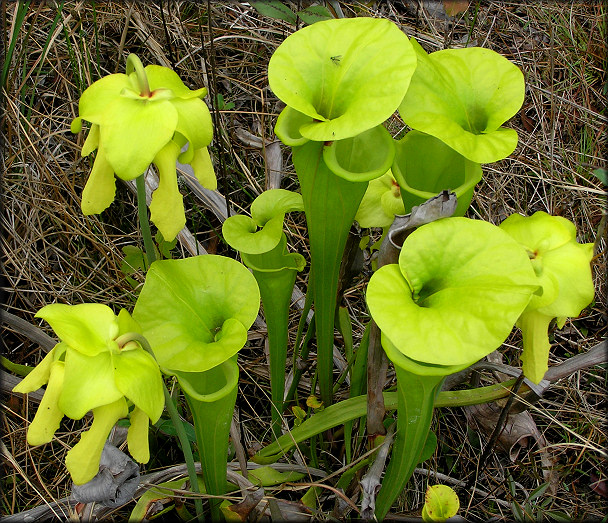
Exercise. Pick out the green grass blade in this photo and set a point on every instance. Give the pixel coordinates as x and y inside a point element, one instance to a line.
<point>297,371</point>
<point>353,408</point>
<point>45,50</point>
<point>358,382</point>
<point>20,15</point>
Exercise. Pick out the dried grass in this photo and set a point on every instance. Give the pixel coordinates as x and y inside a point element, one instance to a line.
<point>52,252</point>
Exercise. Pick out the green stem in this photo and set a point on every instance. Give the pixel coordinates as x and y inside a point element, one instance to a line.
<point>330,204</point>
<point>416,398</point>
<point>134,64</point>
<point>212,422</point>
<point>276,311</point>
<point>144,223</point>
<point>175,419</point>
<point>275,272</point>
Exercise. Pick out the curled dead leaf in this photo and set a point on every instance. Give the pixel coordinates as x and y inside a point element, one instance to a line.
<point>520,432</point>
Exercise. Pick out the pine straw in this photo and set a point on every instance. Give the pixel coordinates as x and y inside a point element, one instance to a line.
<point>52,253</point>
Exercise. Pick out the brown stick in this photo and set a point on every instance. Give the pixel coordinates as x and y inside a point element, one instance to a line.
<point>377,366</point>
<point>440,206</point>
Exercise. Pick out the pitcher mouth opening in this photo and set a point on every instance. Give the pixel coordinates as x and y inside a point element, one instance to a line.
<point>224,377</point>
<point>476,120</point>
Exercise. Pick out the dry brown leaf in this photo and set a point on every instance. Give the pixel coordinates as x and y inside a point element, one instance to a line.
<point>599,486</point>
<point>520,431</point>
<point>291,510</point>
<point>455,7</point>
